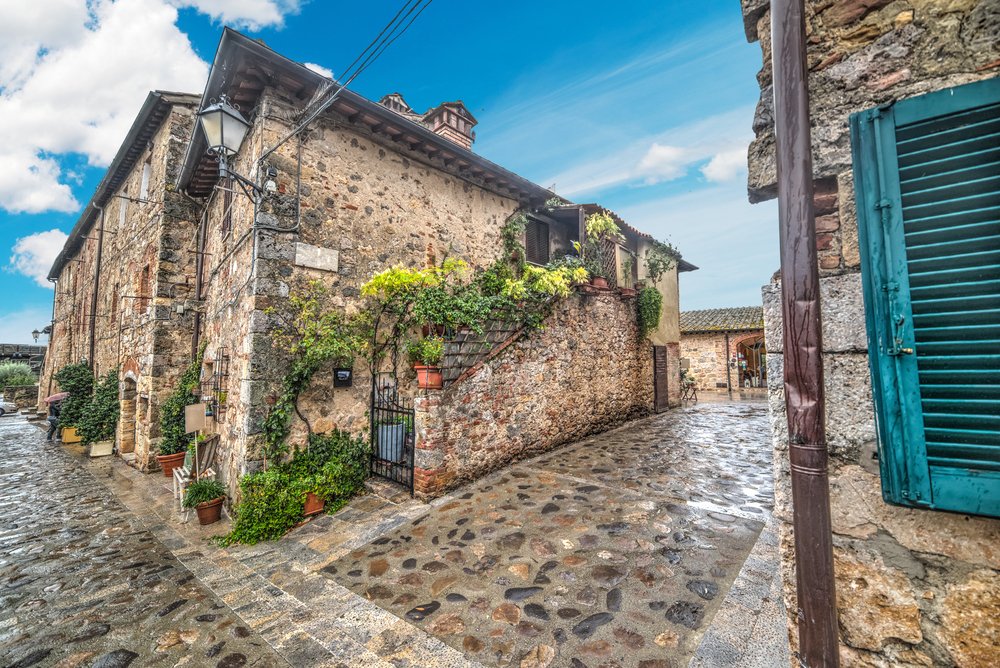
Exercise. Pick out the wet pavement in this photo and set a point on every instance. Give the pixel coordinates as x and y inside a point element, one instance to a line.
<point>616,551</point>
<point>83,582</point>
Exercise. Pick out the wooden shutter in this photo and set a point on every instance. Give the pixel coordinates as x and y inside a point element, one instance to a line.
<point>927,178</point>
<point>536,242</point>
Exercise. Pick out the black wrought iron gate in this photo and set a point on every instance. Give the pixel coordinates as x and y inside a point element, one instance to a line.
<point>392,433</point>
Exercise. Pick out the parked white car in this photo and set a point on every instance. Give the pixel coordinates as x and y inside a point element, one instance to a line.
<point>7,406</point>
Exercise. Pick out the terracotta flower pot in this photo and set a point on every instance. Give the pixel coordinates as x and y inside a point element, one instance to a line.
<point>429,377</point>
<point>169,462</point>
<point>599,282</point>
<point>70,435</point>
<point>627,292</point>
<point>210,511</point>
<point>314,504</point>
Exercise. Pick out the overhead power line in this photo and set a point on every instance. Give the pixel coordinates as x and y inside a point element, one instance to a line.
<point>392,31</point>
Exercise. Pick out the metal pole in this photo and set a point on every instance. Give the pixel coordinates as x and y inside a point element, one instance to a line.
<point>800,309</point>
<point>729,383</point>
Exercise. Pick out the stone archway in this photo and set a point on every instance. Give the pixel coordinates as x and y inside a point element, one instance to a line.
<point>126,422</point>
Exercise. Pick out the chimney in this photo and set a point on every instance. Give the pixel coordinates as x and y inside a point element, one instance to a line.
<point>396,102</point>
<point>452,121</point>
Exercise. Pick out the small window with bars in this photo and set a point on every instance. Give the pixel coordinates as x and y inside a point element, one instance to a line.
<point>536,242</point>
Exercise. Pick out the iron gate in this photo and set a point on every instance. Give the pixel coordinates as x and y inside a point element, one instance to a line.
<point>392,433</point>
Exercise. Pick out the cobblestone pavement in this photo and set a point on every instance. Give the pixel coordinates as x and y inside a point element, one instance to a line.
<point>616,551</point>
<point>84,583</point>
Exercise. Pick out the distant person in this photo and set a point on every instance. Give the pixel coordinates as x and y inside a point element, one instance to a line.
<point>54,409</point>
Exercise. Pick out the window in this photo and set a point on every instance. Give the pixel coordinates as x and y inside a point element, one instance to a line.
<point>536,242</point>
<point>147,167</point>
<point>927,181</point>
<point>122,209</point>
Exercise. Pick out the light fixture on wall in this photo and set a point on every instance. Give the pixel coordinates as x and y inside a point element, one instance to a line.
<point>225,129</point>
<point>34,334</point>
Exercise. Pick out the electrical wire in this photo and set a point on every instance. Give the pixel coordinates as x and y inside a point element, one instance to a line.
<point>376,47</point>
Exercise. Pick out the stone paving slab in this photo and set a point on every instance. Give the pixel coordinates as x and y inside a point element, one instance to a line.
<point>83,582</point>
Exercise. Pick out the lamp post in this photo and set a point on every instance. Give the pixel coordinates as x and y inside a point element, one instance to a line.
<point>225,129</point>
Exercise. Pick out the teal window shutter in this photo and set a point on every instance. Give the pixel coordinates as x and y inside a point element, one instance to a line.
<point>927,185</point>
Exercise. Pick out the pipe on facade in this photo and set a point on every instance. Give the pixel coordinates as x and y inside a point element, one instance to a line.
<point>94,294</point>
<point>729,373</point>
<point>803,363</point>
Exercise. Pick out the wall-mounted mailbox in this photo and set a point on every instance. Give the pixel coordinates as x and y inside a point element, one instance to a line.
<point>343,377</point>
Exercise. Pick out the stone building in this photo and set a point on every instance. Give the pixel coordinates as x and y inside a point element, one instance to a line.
<point>365,186</point>
<point>723,348</point>
<point>905,102</point>
<point>124,279</point>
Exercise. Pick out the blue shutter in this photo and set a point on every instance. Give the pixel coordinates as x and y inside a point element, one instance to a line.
<point>927,180</point>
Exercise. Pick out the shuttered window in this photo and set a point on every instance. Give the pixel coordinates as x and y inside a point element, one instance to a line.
<point>927,180</point>
<point>536,242</point>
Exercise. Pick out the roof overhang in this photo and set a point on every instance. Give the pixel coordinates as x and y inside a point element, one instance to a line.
<point>244,67</point>
<point>152,114</point>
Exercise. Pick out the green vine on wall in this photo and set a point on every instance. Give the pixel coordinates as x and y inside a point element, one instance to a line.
<point>660,258</point>
<point>174,436</point>
<point>650,305</point>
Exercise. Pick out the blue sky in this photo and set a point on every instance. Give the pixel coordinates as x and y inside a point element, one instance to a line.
<point>643,106</point>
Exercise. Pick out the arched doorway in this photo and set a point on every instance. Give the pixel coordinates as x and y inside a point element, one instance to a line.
<point>126,441</point>
<point>751,362</point>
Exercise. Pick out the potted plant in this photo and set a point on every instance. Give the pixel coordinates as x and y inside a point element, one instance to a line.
<point>100,417</point>
<point>78,380</point>
<point>602,233</point>
<point>314,503</point>
<point>627,287</point>
<point>206,497</point>
<point>426,354</point>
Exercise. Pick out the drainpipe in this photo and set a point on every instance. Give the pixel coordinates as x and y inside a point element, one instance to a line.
<point>94,293</point>
<point>199,269</point>
<point>725,361</point>
<point>800,311</point>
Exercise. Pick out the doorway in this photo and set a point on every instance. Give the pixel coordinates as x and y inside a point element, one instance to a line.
<point>751,362</point>
<point>126,441</point>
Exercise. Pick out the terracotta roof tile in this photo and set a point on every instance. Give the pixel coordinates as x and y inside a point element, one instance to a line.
<point>722,319</point>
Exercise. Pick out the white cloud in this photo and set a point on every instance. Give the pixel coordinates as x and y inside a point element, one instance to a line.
<point>34,254</point>
<point>661,163</point>
<point>250,14</point>
<point>319,69</point>
<point>16,326</point>
<point>82,90</point>
<point>726,166</point>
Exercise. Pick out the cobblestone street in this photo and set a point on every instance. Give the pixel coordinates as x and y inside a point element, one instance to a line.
<point>83,583</point>
<point>651,545</point>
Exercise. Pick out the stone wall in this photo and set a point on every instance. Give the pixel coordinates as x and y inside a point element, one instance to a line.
<point>914,587</point>
<point>709,359</point>
<point>144,317</point>
<point>23,396</point>
<point>586,371</point>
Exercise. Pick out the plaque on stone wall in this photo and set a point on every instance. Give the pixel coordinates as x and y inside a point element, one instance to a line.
<point>194,417</point>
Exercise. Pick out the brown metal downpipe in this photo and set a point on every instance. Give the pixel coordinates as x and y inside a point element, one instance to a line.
<point>800,310</point>
<point>94,294</point>
<point>199,270</point>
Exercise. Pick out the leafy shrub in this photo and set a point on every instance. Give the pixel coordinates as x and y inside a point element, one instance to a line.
<point>660,259</point>
<point>16,373</point>
<point>334,467</point>
<point>650,303</point>
<point>201,491</point>
<point>78,380</point>
<point>175,439</point>
<point>100,416</point>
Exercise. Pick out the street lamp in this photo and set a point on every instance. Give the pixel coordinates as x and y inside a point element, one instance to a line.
<point>225,129</point>
<point>34,334</point>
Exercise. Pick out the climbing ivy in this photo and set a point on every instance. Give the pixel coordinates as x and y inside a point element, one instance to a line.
<point>174,437</point>
<point>660,258</point>
<point>650,304</point>
<point>100,416</point>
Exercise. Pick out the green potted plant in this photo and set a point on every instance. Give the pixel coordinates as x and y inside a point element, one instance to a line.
<point>602,233</point>
<point>627,288</point>
<point>100,417</point>
<point>78,380</point>
<point>426,354</point>
<point>174,442</point>
<point>206,497</point>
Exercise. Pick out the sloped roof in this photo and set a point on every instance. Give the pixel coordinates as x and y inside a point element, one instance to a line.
<point>740,318</point>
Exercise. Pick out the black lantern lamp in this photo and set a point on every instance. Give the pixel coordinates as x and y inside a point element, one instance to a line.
<point>34,335</point>
<point>225,129</point>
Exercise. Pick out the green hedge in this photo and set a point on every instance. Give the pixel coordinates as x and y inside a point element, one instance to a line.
<point>78,380</point>
<point>100,416</point>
